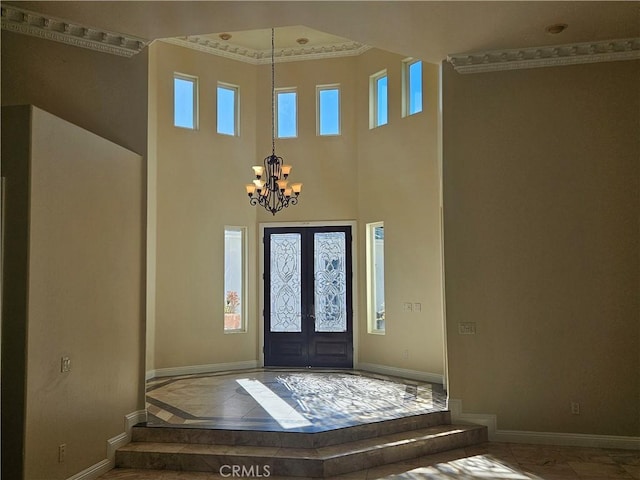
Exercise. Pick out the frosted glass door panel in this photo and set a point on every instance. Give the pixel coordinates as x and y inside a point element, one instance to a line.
<point>330,282</point>
<point>286,302</point>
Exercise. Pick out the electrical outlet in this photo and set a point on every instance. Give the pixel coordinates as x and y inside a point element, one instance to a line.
<point>62,452</point>
<point>65,364</point>
<point>405,354</point>
<point>575,408</point>
<point>417,307</point>
<point>407,307</point>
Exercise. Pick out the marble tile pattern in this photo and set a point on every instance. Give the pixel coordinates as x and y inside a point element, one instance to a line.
<point>485,461</point>
<point>203,423</point>
<point>302,462</point>
<point>326,399</point>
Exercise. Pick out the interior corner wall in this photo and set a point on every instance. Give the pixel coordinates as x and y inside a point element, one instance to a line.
<point>15,251</point>
<point>399,184</point>
<point>106,95</point>
<point>152,212</point>
<point>388,174</point>
<point>199,191</point>
<point>78,259</point>
<point>541,209</point>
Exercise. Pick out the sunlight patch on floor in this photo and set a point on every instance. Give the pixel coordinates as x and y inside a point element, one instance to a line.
<point>481,467</point>
<point>279,410</point>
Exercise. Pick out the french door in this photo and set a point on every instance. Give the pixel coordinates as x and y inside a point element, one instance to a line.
<point>308,314</point>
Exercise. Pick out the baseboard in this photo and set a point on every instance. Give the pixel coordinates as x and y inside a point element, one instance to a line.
<point>195,369</point>
<point>113,444</point>
<point>401,372</point>
<point>540,438</point>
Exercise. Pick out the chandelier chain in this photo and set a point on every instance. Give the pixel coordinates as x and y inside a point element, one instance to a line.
<point>273,96</point>
<point>271,188</point>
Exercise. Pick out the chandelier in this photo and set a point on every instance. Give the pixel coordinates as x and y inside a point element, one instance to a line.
<point>271,188</point>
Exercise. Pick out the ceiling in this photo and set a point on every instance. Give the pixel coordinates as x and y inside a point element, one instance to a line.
<point>284,38</point>
<point>426,30</point>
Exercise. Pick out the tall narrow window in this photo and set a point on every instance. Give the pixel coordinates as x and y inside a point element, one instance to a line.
<point>227,109</point>
<point>412,87</point>
<point>375,278</point>
<point>286,112</point>
<point>185,101</point>
<point>328,108</point>
<point>378,111</point>
<point>235,305</point>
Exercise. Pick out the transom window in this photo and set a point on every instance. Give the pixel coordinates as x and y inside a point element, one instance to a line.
<point>412,87</point>
<point>286,113</point>
<point>378,94</point>
<point>227,114</point>
<point>185,101</point>
<point>328,109</point>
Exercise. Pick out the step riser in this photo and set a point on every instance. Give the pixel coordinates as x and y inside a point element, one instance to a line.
<point>308,467</point>
<point>386,456</point>
<point>288,439</point>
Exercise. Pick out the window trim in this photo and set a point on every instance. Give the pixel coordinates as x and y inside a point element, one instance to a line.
<point>406,86</point>
<point>196,114</point>
<point>371,279</point>
<point>278,91</point>
<point>321,88</point>
<point>236,108</point>
<point>373,99</point>
<point>244,282</point>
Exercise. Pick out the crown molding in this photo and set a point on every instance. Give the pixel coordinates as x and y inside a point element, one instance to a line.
<point>550,56</point>
<point>263,57</point>
<point>19,20</point>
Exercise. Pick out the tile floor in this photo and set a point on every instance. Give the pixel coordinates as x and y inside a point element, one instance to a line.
<point>334,399</point>
<point>488,461</point>
<point>287,400</point>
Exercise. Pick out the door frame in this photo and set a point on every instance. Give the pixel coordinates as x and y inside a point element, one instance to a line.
<point>354,284</point>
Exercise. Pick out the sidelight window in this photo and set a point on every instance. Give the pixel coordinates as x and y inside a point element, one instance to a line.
<point>235,279</point>
<point>375,278</point>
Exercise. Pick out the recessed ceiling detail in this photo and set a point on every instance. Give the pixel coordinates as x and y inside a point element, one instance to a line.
<point>259,57</point>
<point>51,28</point>
<point>550,56</point>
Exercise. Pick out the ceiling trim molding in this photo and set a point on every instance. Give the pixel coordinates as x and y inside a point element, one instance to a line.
<point>19,20</point>
<point>550,56</point>
<point>263,57</point>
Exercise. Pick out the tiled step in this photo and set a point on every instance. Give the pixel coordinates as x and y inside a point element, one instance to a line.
<point>320,462</point>
<point>288,439</point>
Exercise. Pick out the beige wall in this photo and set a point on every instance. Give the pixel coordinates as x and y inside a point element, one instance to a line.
<point>398,183</point>
<point>105,94</point>
<point>84,293</point>
<point>195,200</point>
<point>191,187</point>
<point>541,182</point>
<point>326,166</point>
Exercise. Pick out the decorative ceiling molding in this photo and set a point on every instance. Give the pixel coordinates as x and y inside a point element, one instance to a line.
<point>262,57</point>
<point>551,56</point>
<point>19,20</point>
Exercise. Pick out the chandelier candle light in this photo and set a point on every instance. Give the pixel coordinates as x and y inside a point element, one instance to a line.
<point>271,187</point>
